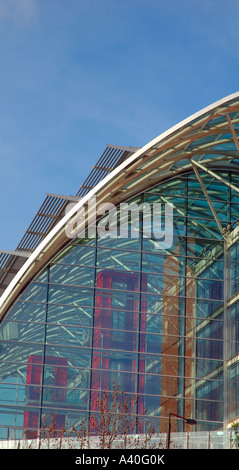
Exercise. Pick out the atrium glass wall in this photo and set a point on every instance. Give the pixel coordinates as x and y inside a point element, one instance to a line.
<point>119,310</point>
<point>233,356</point>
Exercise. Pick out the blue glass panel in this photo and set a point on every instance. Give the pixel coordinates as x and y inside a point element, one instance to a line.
<point>121,369</point>
<point>163,263</point>
<point>204,307</point>
<point>200,227</point>
<point>69,295</point>
<point>73,356</point>
<point>120,243</point>
<point>205,367</point>
<point>234,269</point>
<point>13,391</point>
<point>234,329</point>
<point>175,186</point>
<point>11,421</point>
<point>73,419</point>
<point>117,300</point>
<point>79,254</point>
<point>72,275</point>
<point>233,391</point>
<point>14,354</point>
<point>157,244</point>
<point>209,403</point>
<point>68,335</point>
<point>66,387</point>
<point>159,284</point>
<point>209,348</point>
<point>36,292</point>
<point>153,322</point>
<point>151,343</point>
<point>115,259</point>
<point>204,248</point>
<point>210,289</point>
<point>22,331</point>
<point>28,311</point>
<point>67,315</point>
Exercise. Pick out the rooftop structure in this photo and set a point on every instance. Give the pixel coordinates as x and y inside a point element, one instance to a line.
<point>78,314</point>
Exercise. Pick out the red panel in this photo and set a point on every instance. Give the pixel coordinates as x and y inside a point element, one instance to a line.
<point>34,376</point>
<point>60,380</point>
<point>33,379</point>
<point>101,340</point>
<point>101,320</point>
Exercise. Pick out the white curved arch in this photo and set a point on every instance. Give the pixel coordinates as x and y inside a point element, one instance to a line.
<point>38,256</point>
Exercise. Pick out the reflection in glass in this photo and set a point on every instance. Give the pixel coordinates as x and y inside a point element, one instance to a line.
<point>119,311</point>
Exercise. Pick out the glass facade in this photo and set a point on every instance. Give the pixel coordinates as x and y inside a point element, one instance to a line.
<point>119,310</point>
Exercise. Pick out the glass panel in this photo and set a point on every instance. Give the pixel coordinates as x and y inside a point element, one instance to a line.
<point>233,391</point>
<point>209,403</point>
<point>68,335</point>
<point>70,295</point>
<point>22,331</point>
<point>66,315</point>
<point>204,367</point>
<point>111,367</point>
<point>21,384</point>
<point>179,204</point>
<point>175,186</point>
<point>206,228</point>
<point>10,418</point>
<point>203,248</point>
<point>72,275</point>
<point>114,259</point>
<point>119,243</point>
<point>234,271</point>
<point>71,356</point>
<point>203,307</point>
<point>235,210</point>
<point>65,386</point>
<point>14,354</point>
<point>170,285</point>
<point>43,277</point>
<point>234,329</point>
<point>118,300</point>
<point>77,255</point>
<point>234,251</point>
<point>28,311</point>
<point>162,263</point>
<point>211,289</point>
<point>214,188</point>
<point>157,244</point>
<point>14,391</point>
<point>202,209</point>
<point>71,420</point>
<point>117,340</point>
<point>212,347</point>
<point>35,292</point>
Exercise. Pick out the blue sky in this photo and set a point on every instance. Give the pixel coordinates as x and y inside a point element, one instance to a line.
<point>76,75</point>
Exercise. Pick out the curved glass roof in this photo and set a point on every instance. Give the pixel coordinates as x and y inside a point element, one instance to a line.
<point>204,143</point>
